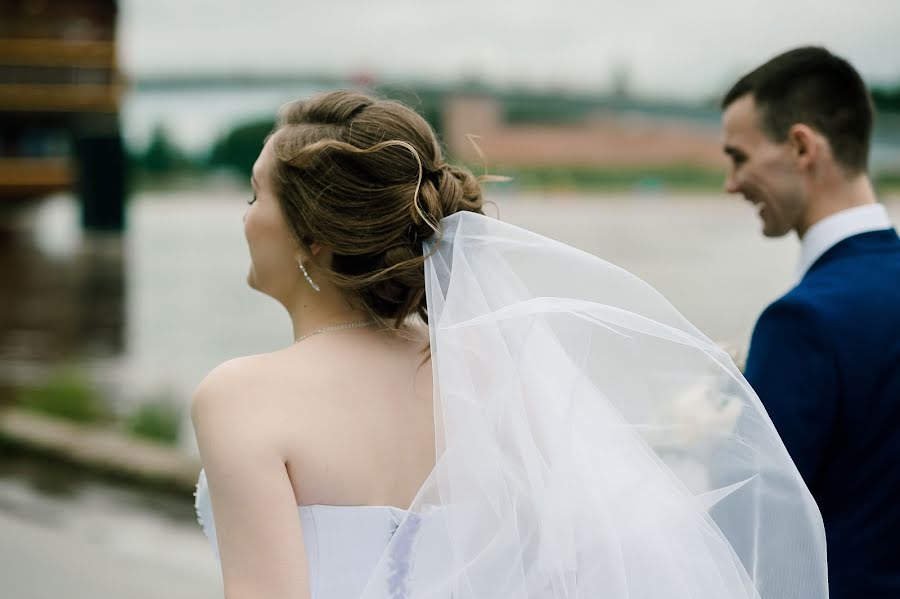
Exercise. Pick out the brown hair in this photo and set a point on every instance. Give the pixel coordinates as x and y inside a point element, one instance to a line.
<point>812,86</point>
<point>366,178</point>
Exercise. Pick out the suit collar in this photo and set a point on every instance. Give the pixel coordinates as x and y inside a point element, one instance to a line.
<point>863,243</point>
<point>833,229</point>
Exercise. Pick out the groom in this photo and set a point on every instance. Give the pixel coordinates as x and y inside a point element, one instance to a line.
<point>825,358</point>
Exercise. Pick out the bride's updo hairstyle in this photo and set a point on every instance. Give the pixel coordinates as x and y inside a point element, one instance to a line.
<point>366,178</point>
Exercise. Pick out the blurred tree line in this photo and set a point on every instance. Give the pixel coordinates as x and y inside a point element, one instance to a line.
<point>236,150</point>
<point>162,156</point>
<point>887,99</point>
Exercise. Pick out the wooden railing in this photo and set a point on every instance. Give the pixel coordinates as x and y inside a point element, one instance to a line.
<point>59,98</point>
<point>50,52</point>
<point>34,176</point>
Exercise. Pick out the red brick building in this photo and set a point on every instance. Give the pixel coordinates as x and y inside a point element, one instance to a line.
<point>607,139</point>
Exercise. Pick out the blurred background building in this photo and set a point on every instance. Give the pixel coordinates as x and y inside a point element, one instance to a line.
<point>59,104</point>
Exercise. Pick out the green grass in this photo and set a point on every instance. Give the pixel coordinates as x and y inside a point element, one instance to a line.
<point>66,394</point>
<point>157,419</point>
<point>887,182</point>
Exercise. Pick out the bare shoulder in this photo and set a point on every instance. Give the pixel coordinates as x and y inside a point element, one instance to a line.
<point>236,393</point>
<point>225,382</point>
<point>239,413</point>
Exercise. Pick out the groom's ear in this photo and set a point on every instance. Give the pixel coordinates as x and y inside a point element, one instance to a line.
<point>805,145</point>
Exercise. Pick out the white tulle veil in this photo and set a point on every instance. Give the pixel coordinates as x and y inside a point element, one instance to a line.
<point>591,442</point>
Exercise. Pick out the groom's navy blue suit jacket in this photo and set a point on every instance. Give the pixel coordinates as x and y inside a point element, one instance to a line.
<point>825,361</point>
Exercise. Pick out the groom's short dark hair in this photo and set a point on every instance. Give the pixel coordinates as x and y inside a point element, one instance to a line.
<point>812,86</point>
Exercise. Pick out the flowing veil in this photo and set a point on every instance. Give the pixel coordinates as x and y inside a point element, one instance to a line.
<point>591,442</point>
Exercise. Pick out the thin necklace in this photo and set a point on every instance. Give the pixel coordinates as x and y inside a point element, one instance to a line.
<point>335,327</point>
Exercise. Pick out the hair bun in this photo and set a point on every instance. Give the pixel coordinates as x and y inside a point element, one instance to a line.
<point>445,190</point>
<point>459,190</point>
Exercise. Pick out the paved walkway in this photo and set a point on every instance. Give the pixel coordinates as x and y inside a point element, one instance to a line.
<point>37,562</point>
<point>86,539</point>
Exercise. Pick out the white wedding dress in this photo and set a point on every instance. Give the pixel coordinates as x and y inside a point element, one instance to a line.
<point>344,545</point>
<point>591,443</point>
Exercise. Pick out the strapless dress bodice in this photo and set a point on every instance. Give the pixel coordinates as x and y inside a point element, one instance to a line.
<point>344,545</point>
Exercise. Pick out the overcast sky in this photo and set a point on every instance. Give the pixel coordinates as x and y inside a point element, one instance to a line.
<point>682,48</point>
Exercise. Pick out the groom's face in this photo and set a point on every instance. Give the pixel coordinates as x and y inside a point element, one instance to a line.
<point>762,169</point>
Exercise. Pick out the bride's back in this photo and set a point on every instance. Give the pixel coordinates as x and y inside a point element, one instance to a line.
<point>353,412</point>
<point>346,191</point>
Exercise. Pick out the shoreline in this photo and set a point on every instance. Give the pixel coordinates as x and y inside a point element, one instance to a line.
<point>108,453</point>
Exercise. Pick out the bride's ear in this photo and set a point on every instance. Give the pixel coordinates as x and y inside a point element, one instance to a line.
<point>320,254</point>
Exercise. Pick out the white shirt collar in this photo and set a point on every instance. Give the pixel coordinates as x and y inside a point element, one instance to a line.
<point>833,229</point>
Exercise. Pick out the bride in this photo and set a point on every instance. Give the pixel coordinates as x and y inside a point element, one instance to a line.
<point>471,410</point>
